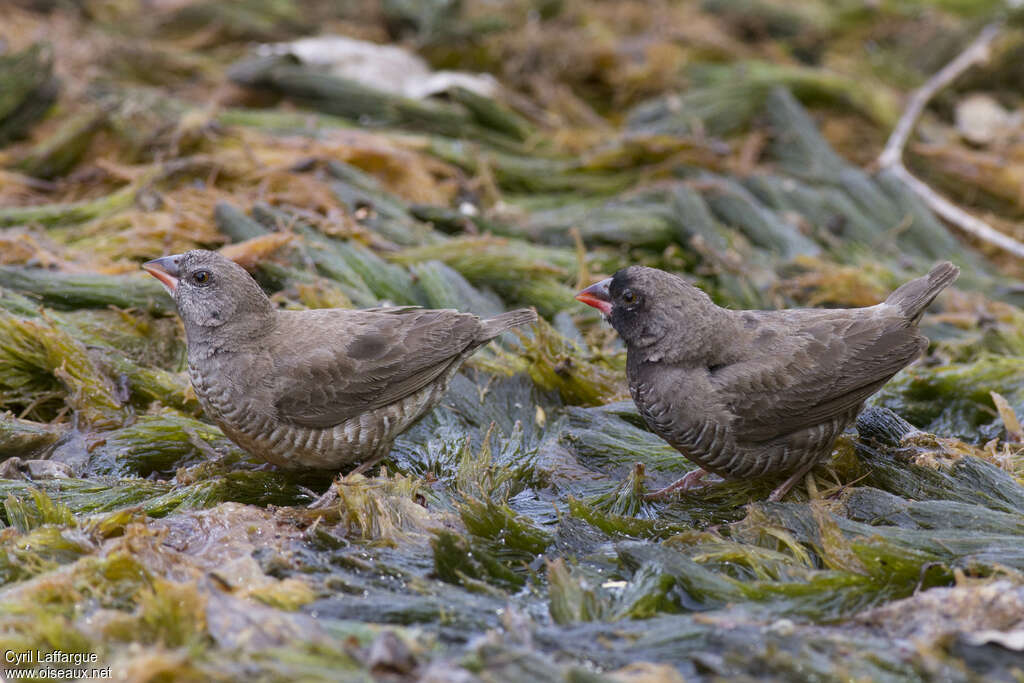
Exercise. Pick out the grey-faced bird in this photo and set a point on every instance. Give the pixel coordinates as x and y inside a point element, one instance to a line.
<point>319,388</point>
<point>751,393</point>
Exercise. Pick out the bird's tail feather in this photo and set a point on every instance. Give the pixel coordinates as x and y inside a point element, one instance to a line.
<point>914,296</point>
<point>492,327</point>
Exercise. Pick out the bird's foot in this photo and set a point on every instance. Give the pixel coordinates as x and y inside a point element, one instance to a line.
<point>329,498</point>
<point>782,489</point>
<point>691,480</point>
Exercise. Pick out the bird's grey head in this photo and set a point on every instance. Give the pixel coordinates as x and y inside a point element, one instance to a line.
<point>645,305</point>
<point>214,295</point>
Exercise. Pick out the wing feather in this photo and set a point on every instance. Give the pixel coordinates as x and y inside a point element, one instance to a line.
<point>363,360</point>
<point>834,365</point>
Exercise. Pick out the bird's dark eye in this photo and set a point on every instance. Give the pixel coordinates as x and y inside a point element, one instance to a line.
<point>201,277</point>
<point>629,296</point>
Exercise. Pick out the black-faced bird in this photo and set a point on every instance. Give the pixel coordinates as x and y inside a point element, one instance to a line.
<point>751,393</point>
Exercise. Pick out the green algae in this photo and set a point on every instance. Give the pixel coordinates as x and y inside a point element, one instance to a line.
<point>24,437</point>
<point>471,566</point>
<point>518,272</point>
<point>31,89</point>
<point>158,444</point>
<point>69,212</point>
<point>67,291</point>
<point>61,152</point>
<point>918,396</point>
<point>36,358</point>
<point>557,363</point>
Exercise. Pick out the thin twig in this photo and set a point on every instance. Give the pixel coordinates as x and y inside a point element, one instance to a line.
<point>974,53</point>
<point>892,156</point>
<point>957,216</point>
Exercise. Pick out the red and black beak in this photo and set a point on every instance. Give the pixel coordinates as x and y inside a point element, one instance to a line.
<point>598,296</point>
<point>165,269</point>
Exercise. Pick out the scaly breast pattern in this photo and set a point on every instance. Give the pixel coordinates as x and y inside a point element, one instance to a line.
<point>711,444</point>
<point>357,439</point>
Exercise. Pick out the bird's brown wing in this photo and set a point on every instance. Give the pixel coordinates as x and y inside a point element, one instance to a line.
<point>342,363</point>
<point>822,371</point>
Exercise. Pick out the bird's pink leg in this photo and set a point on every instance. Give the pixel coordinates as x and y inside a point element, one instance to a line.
<point>782,489</point>
<point>330,496</point>
<point>690,481</point>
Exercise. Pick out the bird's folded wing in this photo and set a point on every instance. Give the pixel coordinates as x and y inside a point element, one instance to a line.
<point>368,360</point>
<point>391,309</point>
<point>829,368</point>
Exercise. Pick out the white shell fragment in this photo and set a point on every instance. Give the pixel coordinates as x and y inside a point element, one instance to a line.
<point>981,120</point>
<point>384,67</point>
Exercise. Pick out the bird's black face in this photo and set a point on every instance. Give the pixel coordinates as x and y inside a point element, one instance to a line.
<point>209,290</point>
<point>623,299</point>
<point>645,304</point>
<point>630,305</point>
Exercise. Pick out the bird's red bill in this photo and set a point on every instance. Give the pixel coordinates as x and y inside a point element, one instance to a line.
<point>171,283</point>
<point>597,295</point>
<point>591,300</point>
<point>158,271</point>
